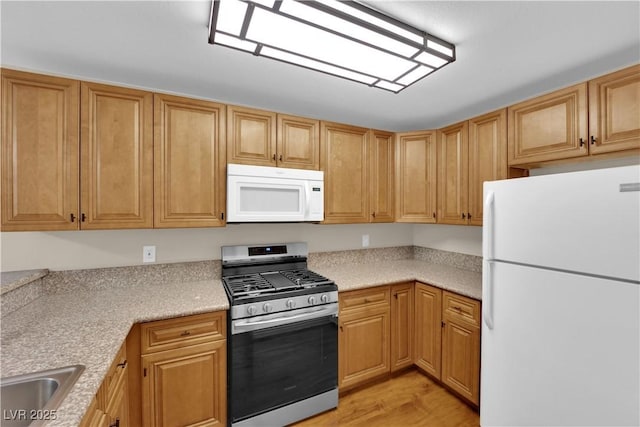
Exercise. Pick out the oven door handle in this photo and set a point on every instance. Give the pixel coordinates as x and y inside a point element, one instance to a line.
<point>262,322</point>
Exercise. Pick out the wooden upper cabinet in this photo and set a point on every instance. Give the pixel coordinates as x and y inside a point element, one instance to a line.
<point>487,158</point>
<point>116,157</point>
<point>251,136</point>
<point>297,144</point>
<point>190,162</point>
<point>416,177</point>
<point>345,161</point>
<point>549,127</point>
<point>614,111</point>
<point>453,169</point>
<point>40,135</point>
<point>382,176</point>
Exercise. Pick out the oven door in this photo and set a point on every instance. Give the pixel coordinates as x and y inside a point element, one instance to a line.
<point>276,361</point>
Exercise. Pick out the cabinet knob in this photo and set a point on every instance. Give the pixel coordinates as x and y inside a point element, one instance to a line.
<point>72,217</point>
<point>593,140</point>
<point>83,217</point>
<point>122,365</point>
<point>373,214</point>
<point>463,216</point>
<point>274,157</point>
<point>581,142</point>
<point>185,334</point>
<point>280,158</point>
<point>469,215</point>
<point>434,214</point>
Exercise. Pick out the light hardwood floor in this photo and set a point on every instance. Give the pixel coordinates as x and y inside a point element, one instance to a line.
<point>409,399</point>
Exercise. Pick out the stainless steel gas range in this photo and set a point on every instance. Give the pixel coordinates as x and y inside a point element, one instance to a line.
<point>283,335</point>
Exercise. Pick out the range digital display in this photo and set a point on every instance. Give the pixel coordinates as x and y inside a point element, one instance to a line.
<point>267,250</point>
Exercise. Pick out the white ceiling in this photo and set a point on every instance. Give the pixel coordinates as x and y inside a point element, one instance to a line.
<point>506,52</point>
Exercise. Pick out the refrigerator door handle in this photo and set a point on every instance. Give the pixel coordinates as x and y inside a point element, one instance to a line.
<point>487,293</point>
<point>487,253</point>
<point>487,238</point>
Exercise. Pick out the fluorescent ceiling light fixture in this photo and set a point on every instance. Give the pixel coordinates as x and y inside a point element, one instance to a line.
<point>341,38</point>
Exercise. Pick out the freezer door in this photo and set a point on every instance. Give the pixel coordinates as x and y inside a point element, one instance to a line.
<point>564,350</point>
<point>585,221</point>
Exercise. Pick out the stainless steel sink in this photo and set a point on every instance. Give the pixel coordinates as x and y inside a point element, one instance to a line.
<point>31,399</point>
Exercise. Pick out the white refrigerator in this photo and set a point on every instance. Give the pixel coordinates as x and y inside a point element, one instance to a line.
<point>561,300</point>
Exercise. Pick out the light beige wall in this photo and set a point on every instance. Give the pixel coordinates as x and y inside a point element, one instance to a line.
<point>453,238</point>
<point>65,250</point>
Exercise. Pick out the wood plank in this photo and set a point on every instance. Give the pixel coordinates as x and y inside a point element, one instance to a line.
<point>409,399</point>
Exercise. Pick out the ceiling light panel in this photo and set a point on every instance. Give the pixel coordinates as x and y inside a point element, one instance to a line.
<point>341,38</point>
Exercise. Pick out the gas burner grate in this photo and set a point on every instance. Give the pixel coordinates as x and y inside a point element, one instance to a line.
<point>305,278</point>
<point>247,284</point>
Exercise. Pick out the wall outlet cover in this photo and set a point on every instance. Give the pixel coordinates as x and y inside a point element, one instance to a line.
<point>148,254</point>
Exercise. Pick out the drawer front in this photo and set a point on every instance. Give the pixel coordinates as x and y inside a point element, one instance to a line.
<point>461,308</point>
<point>173,333</point>
<point>364,298</point>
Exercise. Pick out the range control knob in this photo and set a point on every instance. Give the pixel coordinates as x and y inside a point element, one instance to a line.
<point>252,310</point>
<point>291,303</point>
<point>324,298</point>
<point>267,308</point>
<point>312,300</point>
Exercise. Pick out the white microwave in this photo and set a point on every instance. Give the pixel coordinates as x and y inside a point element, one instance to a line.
<point>268,194</point>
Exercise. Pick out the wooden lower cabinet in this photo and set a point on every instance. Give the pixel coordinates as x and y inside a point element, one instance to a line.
<point>461,346</point>
<point>110,405</point>
<point>428,314</point>
<point>363,341</point>
<point>402,308</point>
<point>184,371</point>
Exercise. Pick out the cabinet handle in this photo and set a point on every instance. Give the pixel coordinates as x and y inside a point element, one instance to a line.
<point>341,328</point>
<point>434,214</point>
<point>581,142</point>
<point>185,334</point>
<point>463,216</point>
<point>373,214</point>
<point>221,215</point>
<point>456,308</point>
<point>122,365</point>
<point>443,323</point>
<point>396,295</point>
<point>274,157</point>
<point>116,424</point>
<point>280,158</point>
<point>73,218</point>
<point>468,215</point>
<point>593,140</point>
<point>83,217</point>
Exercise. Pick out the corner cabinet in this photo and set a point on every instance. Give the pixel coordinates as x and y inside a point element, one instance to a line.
<point>190,163</point>
<point>470,153</point>
<point>416,177</point>
<point>184,371</point>
<point>40,150</point>
<point>614,111</point>
<point>344,158</point>
<point>382,175</point>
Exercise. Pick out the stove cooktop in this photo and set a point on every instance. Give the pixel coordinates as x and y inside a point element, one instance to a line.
<point>273,282</point>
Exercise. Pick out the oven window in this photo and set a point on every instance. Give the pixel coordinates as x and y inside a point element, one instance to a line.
<point>273,367</point>
<point>271,199</point>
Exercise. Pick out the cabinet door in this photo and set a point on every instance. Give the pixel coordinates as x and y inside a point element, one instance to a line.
<point>382,176</point>
<point>461,358</point>
<point>190,163</point>
<point>363,345</point>
<point>345,161</point>
<point>118,407</point>
<point>94,417</point>
<point>116,157</point>
<point>453,168</point>
<point>487,157</point>
<point>614,111</point>
<point>251,136</point>
<point>401,326</point>
<point>39,152</point>
<point>298,143</point>
<point>416,177</point>
<point>185,387</point>
<point>428,318</point>
<point>549,127</point>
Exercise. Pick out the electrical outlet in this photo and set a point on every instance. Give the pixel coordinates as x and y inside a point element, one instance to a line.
<point>365,240</point>
<point>148,254</point>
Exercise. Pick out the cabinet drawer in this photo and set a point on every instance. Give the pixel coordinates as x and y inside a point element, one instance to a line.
<point>173,333</point>
<point>364,298</point>
<point>461,308</point>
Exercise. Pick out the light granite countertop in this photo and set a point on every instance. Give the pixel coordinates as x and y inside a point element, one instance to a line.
<point>363,275</point>
<point>11,280</point>
<point>88,328</point>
